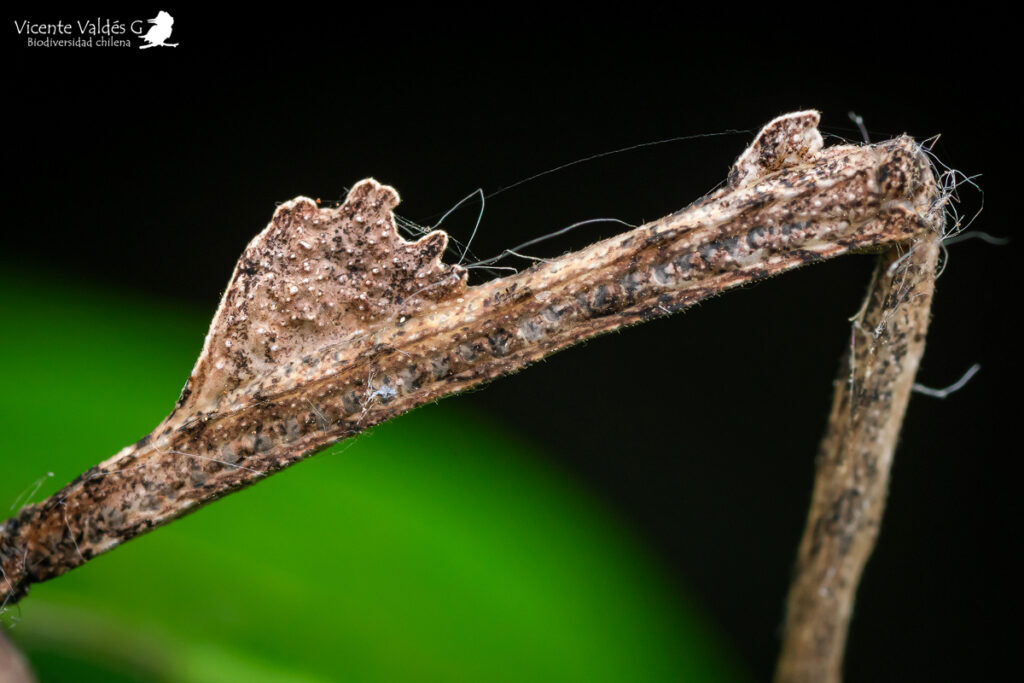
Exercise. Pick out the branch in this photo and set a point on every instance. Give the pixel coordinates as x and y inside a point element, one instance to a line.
<point>333,323</point>
<point>852,479</point>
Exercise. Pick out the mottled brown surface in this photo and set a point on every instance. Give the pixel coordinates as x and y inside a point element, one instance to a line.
<point>853,464</point>
<point>360,326</point>
<point>315,279</point>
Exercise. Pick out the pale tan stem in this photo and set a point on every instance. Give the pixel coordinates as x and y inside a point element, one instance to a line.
<point>852,477</point>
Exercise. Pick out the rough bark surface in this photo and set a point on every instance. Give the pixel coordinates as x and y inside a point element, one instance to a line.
<point>333,323</point>
<point>854,461</point>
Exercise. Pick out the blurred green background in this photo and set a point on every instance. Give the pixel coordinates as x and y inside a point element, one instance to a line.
<point>433,548</point>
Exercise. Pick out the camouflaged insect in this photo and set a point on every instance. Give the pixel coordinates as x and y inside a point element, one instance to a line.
<point>332,323</point>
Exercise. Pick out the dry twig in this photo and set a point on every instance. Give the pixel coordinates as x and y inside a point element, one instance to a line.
<point>333,323</point>
<point>854,460</point>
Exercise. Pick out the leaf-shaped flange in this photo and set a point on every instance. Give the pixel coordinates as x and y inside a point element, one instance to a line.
<point>315,279</point>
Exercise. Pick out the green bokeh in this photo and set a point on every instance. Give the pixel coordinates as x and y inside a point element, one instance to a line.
<point>434,548</point>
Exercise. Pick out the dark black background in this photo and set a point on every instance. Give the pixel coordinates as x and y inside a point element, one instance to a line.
<point>151,169</point>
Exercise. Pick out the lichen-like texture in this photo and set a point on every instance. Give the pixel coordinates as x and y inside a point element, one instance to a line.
<point>333,323</point>
<point>315,278</point>
<point>776,147</point>
<point>854,461</point>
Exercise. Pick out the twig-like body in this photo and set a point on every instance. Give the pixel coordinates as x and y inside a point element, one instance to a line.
<point>853,464</point>
<point>333,323</point>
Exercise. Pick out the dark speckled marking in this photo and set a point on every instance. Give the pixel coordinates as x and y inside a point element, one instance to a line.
<point>603,298</point>
<point>439,367</point>
<point>685,265</point>
<point>551,314</point>
<point>500,341</point>
<point>197,477</point>
<point>755,236</point>
<point>292,430</point>
<point>350,401</point>
<point>530,330</point>
<point>468,352</point>
<point>412,377</point>
<point>632,282</point>
<point>228,455</point>
<point>660,274</point>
